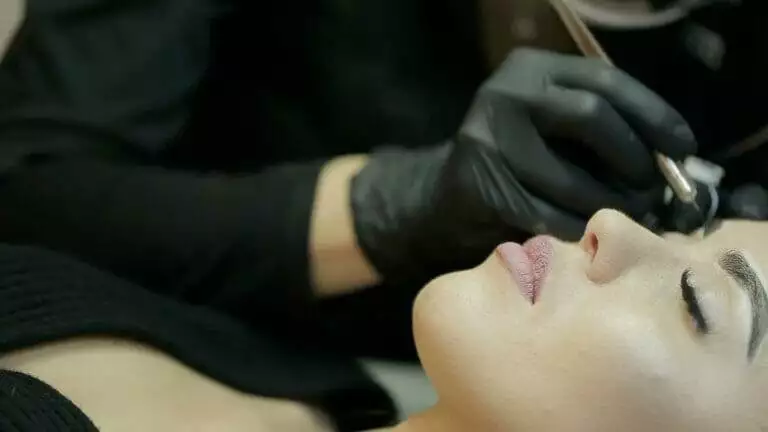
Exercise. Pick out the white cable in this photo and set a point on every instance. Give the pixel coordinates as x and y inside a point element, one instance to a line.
<point>620,18</point>
<point>714,199</point>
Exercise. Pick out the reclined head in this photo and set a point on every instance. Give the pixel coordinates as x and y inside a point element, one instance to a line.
<point>624,331</point>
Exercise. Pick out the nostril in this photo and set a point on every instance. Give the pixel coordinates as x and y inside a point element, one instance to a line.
<point>589,243</point>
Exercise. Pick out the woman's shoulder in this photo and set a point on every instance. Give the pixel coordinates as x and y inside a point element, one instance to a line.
<point>50,299</point>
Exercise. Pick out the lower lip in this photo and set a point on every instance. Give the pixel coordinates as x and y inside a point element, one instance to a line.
<point>528,263</point>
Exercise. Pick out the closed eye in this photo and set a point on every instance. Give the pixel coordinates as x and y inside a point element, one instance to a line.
<point>692,303</point>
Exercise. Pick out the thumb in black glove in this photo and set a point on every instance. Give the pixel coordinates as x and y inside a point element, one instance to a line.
<point>550,139</point>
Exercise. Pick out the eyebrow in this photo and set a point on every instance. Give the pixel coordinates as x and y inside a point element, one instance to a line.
<point>738,267</point>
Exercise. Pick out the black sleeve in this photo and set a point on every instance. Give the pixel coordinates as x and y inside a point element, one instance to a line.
<point>30,405</point>
<point>86,83</point>
<point>237,243</point>
<point>47,297</point>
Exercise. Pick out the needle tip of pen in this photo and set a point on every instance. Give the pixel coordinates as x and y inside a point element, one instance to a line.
<point>704,222</point>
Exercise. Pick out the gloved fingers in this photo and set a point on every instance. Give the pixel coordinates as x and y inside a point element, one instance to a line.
<point>644,206</point>
<point>571,187</point>
<point>655,121</point>
<point>518,208</point>
<point>547,218</point>
<point>550,219</point>
<point>542,215</point>
<point>544,173</point>
<point>579,115</point>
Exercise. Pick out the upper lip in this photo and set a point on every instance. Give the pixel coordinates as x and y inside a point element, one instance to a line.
<point>528,263</point>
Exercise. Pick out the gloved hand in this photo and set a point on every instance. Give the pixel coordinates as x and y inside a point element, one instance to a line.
<point>549,140</point>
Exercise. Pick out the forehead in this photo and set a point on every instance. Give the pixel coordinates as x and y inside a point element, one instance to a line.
<point>749,236</point>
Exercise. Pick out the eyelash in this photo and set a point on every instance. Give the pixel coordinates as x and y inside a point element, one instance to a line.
<point>692,303</point>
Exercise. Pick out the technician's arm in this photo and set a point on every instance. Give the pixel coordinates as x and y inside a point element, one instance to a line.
<point>233,242</point>
<point>338,264</point>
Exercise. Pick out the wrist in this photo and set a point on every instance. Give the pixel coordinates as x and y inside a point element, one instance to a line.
<point>337,264</point>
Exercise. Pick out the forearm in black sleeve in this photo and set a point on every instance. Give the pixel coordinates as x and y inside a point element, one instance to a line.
<point>237,243</point>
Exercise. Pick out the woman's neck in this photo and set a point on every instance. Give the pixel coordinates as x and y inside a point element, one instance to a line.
<point>429,421</point>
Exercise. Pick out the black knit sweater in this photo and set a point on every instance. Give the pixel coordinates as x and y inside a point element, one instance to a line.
<point>47,297</point>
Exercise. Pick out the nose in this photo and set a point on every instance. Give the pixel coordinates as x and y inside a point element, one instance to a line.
<point>614,244</point>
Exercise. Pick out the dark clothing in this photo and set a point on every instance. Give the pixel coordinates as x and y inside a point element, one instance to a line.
<point>106,101</point>
<point>30,405</point>
<point>176,144</point>
<point>46,297</point>
<point>93,94</point>
<point>153,138</point>
<point>723,104</point>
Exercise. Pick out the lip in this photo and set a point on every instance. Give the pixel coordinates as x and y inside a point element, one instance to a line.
<point>528,263</point>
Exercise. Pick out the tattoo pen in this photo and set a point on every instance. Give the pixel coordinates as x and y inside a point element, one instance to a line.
<point>681,184</point>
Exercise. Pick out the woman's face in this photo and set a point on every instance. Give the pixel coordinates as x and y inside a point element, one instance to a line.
<point>628,332</point>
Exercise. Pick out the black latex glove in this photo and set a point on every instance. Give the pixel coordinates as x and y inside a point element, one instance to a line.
<point>549,140</point>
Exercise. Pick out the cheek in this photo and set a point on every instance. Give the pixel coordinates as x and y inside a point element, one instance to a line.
<point>466,331</point>
<point>452,316</point>
<point>643,367</point>
<point>604,371</point>
<point>489,366</point>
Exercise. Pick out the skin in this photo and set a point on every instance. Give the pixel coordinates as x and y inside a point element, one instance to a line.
<point>609,347</point>
<point>11,13</point>
<point>124,386</point>
<point>609,344</point>
<point>337,264</point>
<point>171,396</point>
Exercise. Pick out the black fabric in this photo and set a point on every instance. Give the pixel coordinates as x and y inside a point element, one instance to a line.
<point>124,71</point>
<point>29,405</point>
<point>232,87</point>
<point>147,151</point>
<point>236,243</point>
<point>46,297</point>
<point>85,153</point>
<point>723,106</point>
<point>308,79</point>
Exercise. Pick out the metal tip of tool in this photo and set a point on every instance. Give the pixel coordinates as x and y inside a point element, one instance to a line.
<point>700,218</point>
<point>709,218</point>
<point>698,209</point>
<point>704,220</point>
